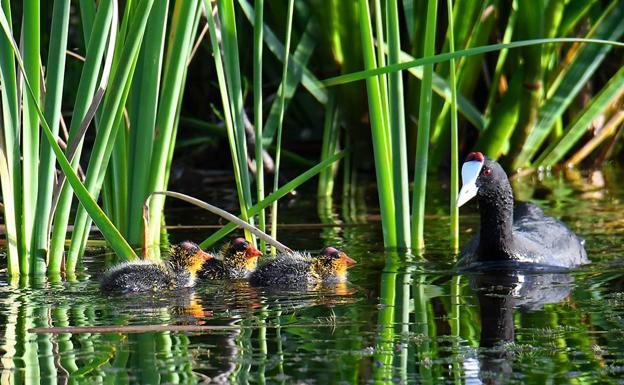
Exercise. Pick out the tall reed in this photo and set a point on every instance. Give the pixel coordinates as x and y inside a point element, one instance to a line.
<point>454,212</point>
<point>383,160</point>
<point>278,143</point>
<point>424,122</point>
<point>133,77</point>
<point>231,96</point>
<point>258,45</point>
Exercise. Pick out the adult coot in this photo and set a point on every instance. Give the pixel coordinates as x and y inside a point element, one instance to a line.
<point>524,237</point>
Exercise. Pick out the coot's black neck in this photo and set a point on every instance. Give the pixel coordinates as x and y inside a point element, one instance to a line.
<point>496,207</point>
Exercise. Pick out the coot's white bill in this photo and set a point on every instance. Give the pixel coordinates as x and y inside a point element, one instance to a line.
<point>470,173</point>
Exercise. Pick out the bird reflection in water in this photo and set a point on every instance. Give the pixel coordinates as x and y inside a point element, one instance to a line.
<point>499,293</point>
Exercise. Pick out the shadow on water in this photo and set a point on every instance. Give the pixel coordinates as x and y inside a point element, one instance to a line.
<point>395,322</point>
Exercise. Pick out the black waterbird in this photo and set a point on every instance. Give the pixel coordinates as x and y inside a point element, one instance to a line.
<point>177,272</point>
<point>524,237</point>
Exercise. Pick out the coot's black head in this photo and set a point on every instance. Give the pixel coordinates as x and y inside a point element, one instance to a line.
<point>484,178</point>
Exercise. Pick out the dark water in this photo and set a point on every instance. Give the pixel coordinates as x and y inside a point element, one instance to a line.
<point>395,322</point>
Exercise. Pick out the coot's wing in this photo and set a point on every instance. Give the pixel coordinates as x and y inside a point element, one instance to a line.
<point>526,210</point>
<point>545,240</point>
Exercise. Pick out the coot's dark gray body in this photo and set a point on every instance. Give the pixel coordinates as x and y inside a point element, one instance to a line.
<point>520,238</point>
<point>538,240</point>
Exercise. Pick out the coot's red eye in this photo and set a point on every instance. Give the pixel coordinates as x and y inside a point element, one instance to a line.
<point>487,172</point>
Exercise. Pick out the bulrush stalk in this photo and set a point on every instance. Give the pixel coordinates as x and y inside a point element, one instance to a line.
<point>30,136</point>
<point>52,111</point>
<point>184,16</point>
<point>84,98</point>
<point>424,122</point>
<point>454,225</point>
<point>257,81</point>
<point>381,144</point>
<point>107,129</point>
<point>227,112</point>
<point>229,39</point>
<point>143,109</point>
<point>10,166</point>
<point>278,143</point>
<point>397,128</point>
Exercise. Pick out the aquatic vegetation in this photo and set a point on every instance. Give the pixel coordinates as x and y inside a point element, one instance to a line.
<point>553,97</point>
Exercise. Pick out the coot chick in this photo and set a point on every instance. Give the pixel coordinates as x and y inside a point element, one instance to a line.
<point>177,272</point>
<point>237,260</point>
<point>301,270</point>
<point>508,238</point>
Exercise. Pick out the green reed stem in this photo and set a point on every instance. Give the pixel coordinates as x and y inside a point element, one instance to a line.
<point>397,130</point>
<point>258,28</point>
<point>10,166</point>
<point>381,62</point>
<point>383,159</point>
<point>178,51</point>
<point>84,98</point>
<point>143,112</point>
<point>30,135</point>
<point>329,145</point>
<point>52,112</point>
<point>278,143</point>
<point>454,233</point>
<point>424,122</point>
<point>439,58</point>
<point>227,112</point>
<point>502,57</point>
<point>229,39</point>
